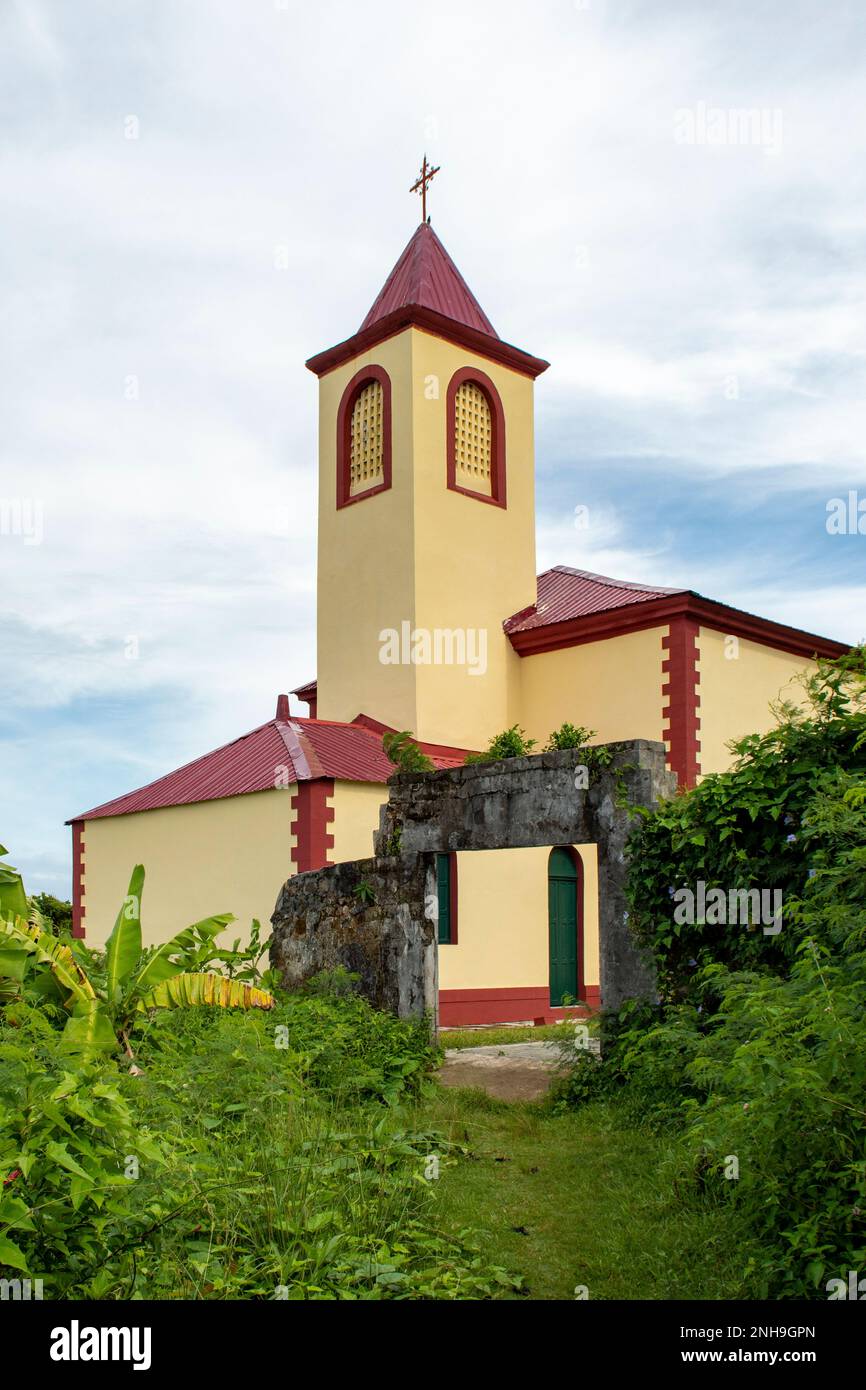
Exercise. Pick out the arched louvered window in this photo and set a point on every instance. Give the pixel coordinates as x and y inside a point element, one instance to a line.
<point>364,436</point>
<point>475,423</point>
<point>473,438</point>
<point>366,439</point>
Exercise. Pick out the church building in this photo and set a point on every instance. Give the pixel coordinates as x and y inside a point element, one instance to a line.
<point>431,617</point>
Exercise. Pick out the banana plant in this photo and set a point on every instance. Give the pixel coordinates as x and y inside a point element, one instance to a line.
<point>13,899</point>
<point>104,1004</point>
<point>13,903</point>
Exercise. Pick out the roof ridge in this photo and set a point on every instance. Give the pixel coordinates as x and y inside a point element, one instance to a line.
<point>306,750</point>
<point>616,583</point>
<point>334,723</point>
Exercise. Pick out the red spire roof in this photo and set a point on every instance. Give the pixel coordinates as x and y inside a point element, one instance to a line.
<point>425,275</point>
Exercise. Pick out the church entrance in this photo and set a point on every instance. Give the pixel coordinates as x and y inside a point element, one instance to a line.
<point>564,897</point>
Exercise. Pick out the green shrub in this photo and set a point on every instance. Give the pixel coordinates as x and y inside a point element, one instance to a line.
<point>56,913</point>
<point>284,1167</point>
<point>749,827</point>
<point>780,1076</point>
<point>757,1054</point>
<point>511,743</point>
<point>404,753</point>
<point>68,1143</point>
<point>336,983</point>
<point>568,736</point>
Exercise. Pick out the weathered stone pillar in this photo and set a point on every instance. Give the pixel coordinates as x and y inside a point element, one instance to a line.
<point>366,916</point>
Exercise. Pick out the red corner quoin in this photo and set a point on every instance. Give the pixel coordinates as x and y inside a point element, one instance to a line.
<point>312,840</point>
<point>78,878</point>
<point>683,700</point>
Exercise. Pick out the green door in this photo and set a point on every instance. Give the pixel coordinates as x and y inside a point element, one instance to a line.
<point>562,888</point>
<point>443,891</point>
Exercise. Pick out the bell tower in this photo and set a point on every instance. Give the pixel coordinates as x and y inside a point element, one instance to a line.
<point>426,508</point>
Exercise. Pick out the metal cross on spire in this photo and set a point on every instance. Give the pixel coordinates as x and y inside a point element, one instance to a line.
<point>420,185</point>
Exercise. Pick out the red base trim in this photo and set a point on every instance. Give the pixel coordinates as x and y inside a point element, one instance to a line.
<point>312,840</point>
<point>459,1007</point>
<point>78,878</point>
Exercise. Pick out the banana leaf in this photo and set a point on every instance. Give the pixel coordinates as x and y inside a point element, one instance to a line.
<point>89,1031</point>
<point>12,962</point>
<point>214,990</point>
<point>123,948</point>
<point>18,935</point>
<point>13,899</point>
<point>159,967</point>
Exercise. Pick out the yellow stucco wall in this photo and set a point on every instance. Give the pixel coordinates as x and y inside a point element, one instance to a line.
<point>502,920</point>
<point>424,555</point>
<point>356,807</point>
<point>475,561</point>
<point>613,686</point>
<point>736,691</point>
<point>366,565</point>
<point>231,855</point>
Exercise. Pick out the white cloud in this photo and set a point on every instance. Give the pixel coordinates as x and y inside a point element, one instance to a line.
<point>647,271</point>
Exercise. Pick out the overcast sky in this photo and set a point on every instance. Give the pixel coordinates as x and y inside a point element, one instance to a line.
<point>666,199</point>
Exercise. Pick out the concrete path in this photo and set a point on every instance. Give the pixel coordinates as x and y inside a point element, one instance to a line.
<point>508,1071</point>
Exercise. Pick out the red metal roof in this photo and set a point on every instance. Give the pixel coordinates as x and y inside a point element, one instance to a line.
<point>353,752</point>
<point>426,275</point>
<point>565,593</point>
<point>281,751</point>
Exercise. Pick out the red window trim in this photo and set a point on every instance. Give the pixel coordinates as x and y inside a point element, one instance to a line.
<point>344,426</point>
<point>497,436</point>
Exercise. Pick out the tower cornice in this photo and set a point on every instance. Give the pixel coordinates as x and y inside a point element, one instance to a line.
<point>418,316</point>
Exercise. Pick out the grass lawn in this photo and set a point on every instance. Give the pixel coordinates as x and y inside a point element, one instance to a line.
<point>495,1037</point>
<point>577,1198</point>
